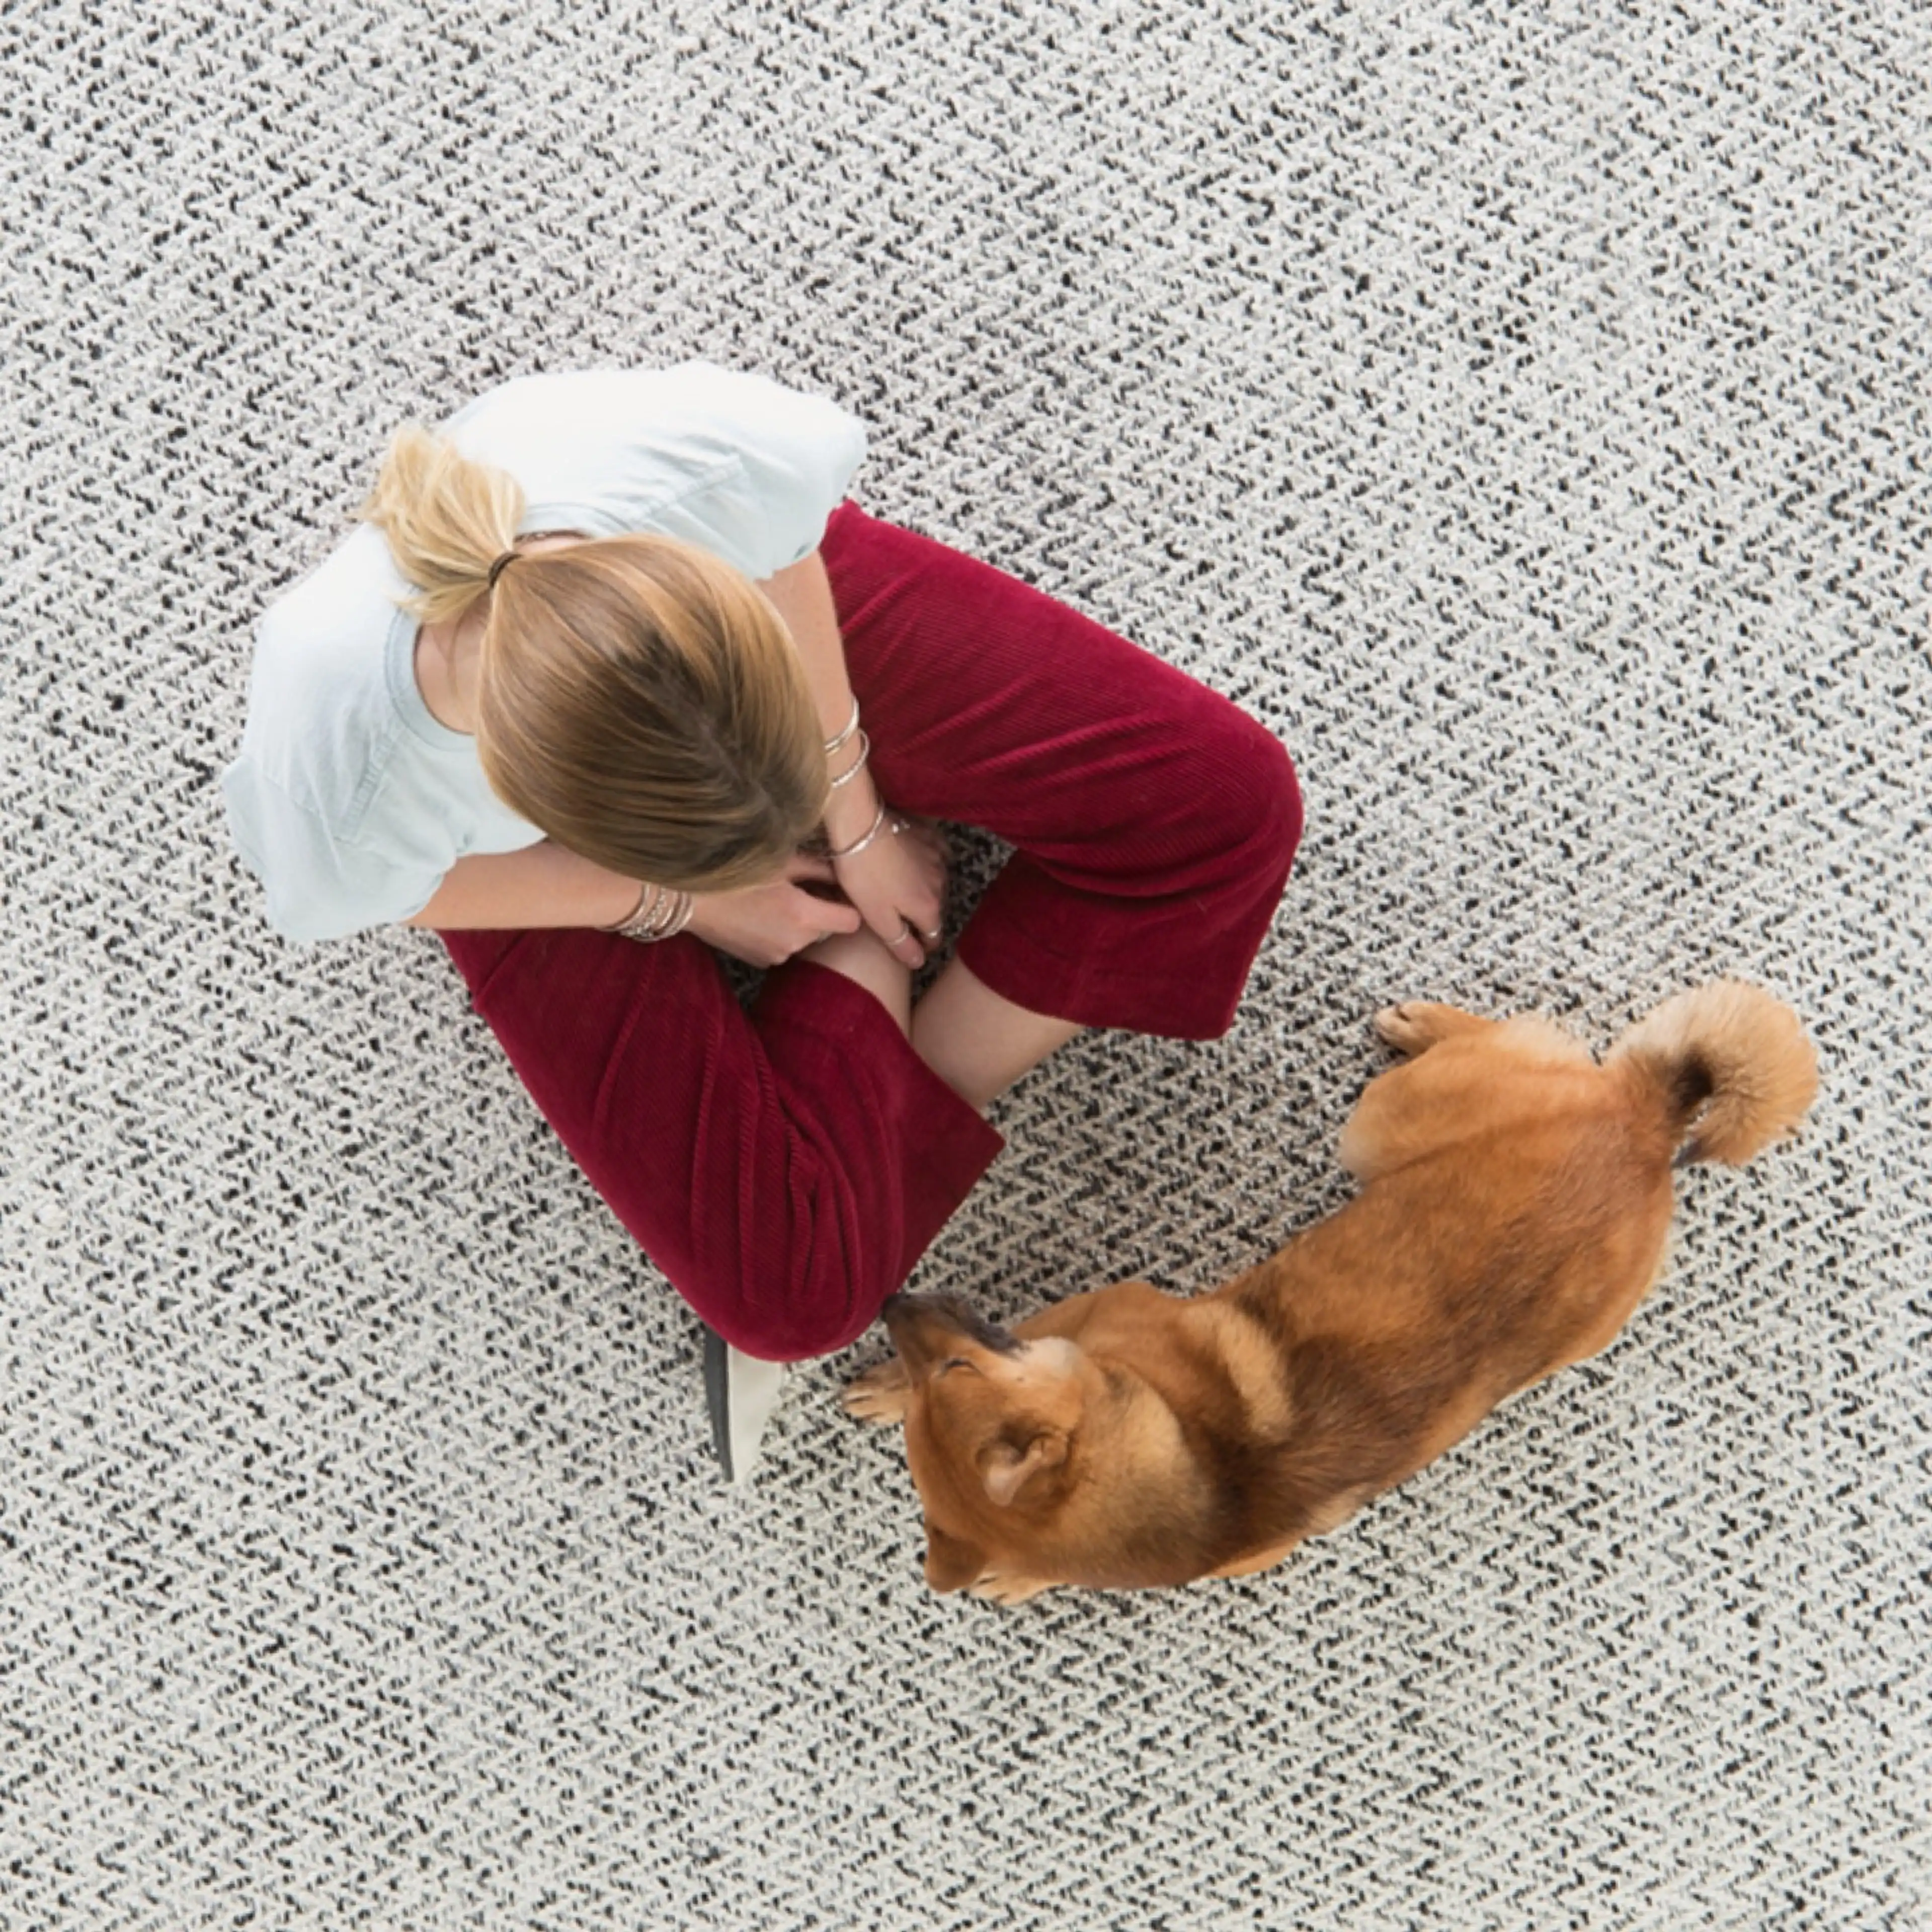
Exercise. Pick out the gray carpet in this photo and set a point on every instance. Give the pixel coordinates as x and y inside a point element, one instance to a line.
<point>1524,412</point>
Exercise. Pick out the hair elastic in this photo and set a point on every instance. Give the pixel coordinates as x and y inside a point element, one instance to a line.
<point>497,568</point>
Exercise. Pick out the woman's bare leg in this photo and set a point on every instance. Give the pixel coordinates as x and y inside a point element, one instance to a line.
<point>977,1042</point>
<point>861,956</point>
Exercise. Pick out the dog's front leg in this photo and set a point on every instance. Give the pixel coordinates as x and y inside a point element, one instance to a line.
<point>1417,1025</point>
<point>880,1394</point>
<point>996,1587</point>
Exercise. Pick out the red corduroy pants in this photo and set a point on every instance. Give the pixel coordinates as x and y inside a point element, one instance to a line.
<point>786,1167</point>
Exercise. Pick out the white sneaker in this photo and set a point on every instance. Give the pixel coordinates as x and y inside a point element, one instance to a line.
<point>741,1392</point>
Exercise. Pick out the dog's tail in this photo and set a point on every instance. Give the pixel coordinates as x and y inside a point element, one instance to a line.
<point>1730,1066</point>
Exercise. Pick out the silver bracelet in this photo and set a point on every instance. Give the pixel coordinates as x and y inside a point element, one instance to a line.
<point>859,845</point>
<point>844,737</point>
<point>858,764</point>
<point>682,917</point>
<point>658,914</point>
<point>647,898</point>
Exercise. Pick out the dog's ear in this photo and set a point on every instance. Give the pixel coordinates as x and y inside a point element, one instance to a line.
<point>1006,1468</point>
<point>950,1565</point>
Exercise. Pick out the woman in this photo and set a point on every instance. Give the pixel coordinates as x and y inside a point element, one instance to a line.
<point>612,678</point>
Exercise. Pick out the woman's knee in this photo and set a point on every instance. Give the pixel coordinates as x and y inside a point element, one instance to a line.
<point>1251,794</point>
<point>1275,791</point>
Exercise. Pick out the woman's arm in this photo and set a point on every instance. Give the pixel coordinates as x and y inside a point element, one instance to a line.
<point>802,593</point>
<point>543,885</point>
<point>540,885</point>
<point>891,882</point>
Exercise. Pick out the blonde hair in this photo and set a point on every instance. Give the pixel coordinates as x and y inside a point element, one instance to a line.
<point>637,700</point>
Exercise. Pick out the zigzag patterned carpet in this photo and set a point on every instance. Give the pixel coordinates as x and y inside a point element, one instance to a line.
<point>1523,410</point>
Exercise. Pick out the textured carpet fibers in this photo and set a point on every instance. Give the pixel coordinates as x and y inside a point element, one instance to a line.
<point>1522,410</point>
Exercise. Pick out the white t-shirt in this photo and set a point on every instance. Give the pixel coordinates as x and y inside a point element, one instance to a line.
<point>349,801</point>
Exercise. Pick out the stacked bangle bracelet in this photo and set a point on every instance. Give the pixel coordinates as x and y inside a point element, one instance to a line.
<point>857,765</point>
<point>658,914</point>
<point>872,832</point>
<point>882,819</point>
<point>839,741</point>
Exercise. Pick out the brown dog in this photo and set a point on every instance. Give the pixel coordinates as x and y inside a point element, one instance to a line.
<point>1516,1204</point>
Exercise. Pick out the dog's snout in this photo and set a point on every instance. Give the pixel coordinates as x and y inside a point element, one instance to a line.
<point>919,1327</point>
<point>925,1326</point>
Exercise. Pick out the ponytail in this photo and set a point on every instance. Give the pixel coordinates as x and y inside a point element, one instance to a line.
<point>447,520</point>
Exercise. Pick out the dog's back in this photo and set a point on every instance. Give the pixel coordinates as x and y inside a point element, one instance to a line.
<point>1516,1209</point>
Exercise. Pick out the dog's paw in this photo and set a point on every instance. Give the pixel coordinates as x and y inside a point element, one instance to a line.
<point>879,1395</point>
<point>994,1586</point>
<point>1415,1025</point>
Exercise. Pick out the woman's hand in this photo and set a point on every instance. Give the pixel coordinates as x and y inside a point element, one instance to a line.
<point>764,926</point>
<point>898,883</point>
